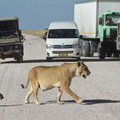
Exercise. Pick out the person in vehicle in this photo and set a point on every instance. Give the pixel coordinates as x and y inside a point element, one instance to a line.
<point>109,21</point>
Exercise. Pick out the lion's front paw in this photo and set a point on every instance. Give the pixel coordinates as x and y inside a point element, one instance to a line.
<point>79,101</point>
<point>60,103</point>
<point>26,102</point>
<point>40,103</point>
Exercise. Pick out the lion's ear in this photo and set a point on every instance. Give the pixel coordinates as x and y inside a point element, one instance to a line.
<point>80,63</point>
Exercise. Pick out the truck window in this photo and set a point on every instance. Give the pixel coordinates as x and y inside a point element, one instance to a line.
<point>101,20</point>
<point>63,33</point>
<point>112,20</point>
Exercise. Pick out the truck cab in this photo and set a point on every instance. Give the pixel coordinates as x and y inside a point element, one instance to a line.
<point>107,33</point>
<point>11,44</point>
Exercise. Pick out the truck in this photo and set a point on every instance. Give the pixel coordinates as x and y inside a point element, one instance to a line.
<point>118,37</point>
<point>62,40</point>
<point>11,39</point>
<point>97,24</point>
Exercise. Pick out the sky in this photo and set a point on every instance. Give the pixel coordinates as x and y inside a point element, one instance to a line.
<point>38,14</point>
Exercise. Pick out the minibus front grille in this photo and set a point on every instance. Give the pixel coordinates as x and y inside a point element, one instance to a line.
<point>62,46</point>
<point>62,52</point>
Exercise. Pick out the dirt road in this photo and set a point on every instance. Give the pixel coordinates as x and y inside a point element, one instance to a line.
<point>100,91</point>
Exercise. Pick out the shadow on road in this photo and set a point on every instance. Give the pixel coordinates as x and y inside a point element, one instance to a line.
<point>99,101</point>
<point>64,60</point>
<point>11,105</point>
<point>85,102</point>
<point>94,101</point>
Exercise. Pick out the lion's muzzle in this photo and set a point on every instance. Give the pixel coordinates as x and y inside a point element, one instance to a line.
<point>84,75</point>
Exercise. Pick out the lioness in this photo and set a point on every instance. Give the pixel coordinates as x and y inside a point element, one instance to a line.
<point>1,96</point>
<point>56,76</point>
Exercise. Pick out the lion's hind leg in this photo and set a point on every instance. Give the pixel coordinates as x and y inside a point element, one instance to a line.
<point>28,95</point>
<point>59,94</point>
<point>35,86</point>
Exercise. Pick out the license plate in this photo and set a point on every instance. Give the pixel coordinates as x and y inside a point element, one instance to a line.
<point>63,55</point>
<point>6,53</point>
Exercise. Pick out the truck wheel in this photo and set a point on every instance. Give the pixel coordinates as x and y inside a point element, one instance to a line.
<point>19,59</point>
<point>116,54</point>
<point>85,48</point>
<point>81,43</point>
<point>48,59</point>
<point>91,52</point>
<point>109,54</point>
<point>101,51</point>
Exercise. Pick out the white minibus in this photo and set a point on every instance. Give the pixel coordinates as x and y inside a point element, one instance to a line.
<point>62,41</point>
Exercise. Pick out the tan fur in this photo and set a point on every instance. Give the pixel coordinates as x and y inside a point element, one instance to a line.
<point>56,76</point>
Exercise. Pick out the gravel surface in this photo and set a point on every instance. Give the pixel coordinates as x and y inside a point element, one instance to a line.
<point>100,91</point>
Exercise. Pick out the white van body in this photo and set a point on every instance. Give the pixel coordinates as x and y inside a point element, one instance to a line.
<point>62,40</point>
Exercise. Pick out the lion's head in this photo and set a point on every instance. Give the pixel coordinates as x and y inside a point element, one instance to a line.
<point>82,69</point>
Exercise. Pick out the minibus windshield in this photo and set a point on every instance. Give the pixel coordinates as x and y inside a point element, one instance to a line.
<point>63,33</point>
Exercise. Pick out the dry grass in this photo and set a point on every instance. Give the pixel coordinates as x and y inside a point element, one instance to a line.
<point>38,33</point>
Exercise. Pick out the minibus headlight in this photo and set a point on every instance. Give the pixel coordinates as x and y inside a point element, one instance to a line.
<point>49,46</point>
<point>76,46</point>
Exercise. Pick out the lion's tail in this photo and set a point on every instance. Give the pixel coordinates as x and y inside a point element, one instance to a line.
<point>24,87</point>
